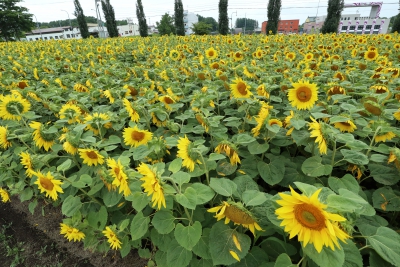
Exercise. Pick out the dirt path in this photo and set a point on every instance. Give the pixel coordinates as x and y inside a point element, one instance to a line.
<point>35,240</point>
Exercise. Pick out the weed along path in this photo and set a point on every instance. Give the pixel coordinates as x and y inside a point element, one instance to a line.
<point>35,241</point>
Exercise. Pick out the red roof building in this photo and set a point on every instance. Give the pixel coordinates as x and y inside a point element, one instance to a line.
<point>284,26</point>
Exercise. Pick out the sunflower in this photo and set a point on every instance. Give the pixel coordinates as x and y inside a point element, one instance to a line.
<point>71,233</point>
<point>275,122</point>
<point>184,152</point>
<point>261,91</point>
<point>345,126</point>
<point>303,95</point>
<point>167,100</point>
<point>174,54</point>
<point>371,55</point>
<point>203,121</point>
<point>230,150</point>
<point>22,84</point>
<point>35,74</point>
<point>81,88</point>
<point>27,162</point>
<point>240,89</point>
<point>385,136</point>
<point>307,218</point>
<point>260,118</point>
<point>132,113</point>
<point>47,184</point>
<point>394,156</point>
<point>3,138</point>
<point>379,89</point>
<point>396,115</point>
<point>70,112</point>
<point>308,57</point>
<point>41,137</point>
<point>152,185</point>
<point>248,74</point>
<point>5,197</point>
<point>290,56</point>
<point>340,76</point>
<point>211,53</point>
<point>109,96</point>
<point>335,90</point>
<point>237,213</point>
<point>112,238</point>
<point>238,56</point>
<point>13,106</point>
<point>131,91</point>
<point>91,156</point>
<point>95,121</point>
<point>116,170</point>
<point>287,122</point>
<point>318,133</point>
<point>136,137</point>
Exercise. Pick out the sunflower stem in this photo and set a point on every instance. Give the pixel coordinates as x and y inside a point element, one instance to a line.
<point>333,156</point>
<point>205,168</point>
<point>372,140</point>
<point>364,247</point>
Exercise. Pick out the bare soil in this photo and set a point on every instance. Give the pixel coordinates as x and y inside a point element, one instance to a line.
<point>40,244</point>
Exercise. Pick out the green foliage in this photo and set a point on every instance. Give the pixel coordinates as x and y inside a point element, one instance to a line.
<point>273,13</point>
<point>223,19</point>
<point>246,23</point>
<point>166,25</point>
<point>109,15</point>
<point>78,13</point>
<point>335,8</point>
<point>143,30</point>
<point>209,20</point>
<point>201,28</point>
<point>178,18</point>
<point>14,19</point>
<point>396,24</point>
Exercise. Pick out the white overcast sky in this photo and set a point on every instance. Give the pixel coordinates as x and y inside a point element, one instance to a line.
<point>50,10</point>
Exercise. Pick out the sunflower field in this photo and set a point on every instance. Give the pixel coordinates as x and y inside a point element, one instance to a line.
<point>256,150</point>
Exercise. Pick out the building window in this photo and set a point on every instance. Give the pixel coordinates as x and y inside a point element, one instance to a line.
<point>130,31</point>
<point>344,18</point>
<point>45,38</point>
<point>126,32</point>
<point>51,37</point>
<point>369,27</point>
<point>291,22</point>
<point>352,28</point>
<point>360,27</point>
<point>68,36</point>
<point>56,37</point>
<point>344,28</point>
<point>377,26</point>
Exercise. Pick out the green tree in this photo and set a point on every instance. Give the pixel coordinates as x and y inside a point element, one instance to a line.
<point>179,25</point>
<point>209,20</point>
<point>274,12</point>
<point>396,24</point>
<point>83,28</point>
<point>166,25</point>
<point>332,20</point>
<point>201,28</point>
<point>14,19</point>
<point>250,24</point>
<point>142,19</point>
<point>223,20</point>
<point>109,15</point>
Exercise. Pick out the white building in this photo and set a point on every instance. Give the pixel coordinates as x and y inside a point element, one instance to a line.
<point>57,33</point>
<point>189,19</point>
<point>128,30</point>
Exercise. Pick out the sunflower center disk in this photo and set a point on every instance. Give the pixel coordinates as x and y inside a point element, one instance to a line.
<point>303,94</point>
<point>237,215</point>
<point>168,100</point>
<point>309,216</point>
<point>92,155</point>
<point>46,183</point>
<point>242,88</point>
<point>137,136</point>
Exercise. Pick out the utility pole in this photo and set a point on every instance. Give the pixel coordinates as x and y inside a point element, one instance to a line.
<point>245,23</point>
<point>37,24</point>
<point>100,27</point>
<point>68,17</point>
<point>232,20</point>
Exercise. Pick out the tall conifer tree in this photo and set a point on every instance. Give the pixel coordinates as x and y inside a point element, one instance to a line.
<point>14,19</point>
<point>332,20</point>
<point>274,13</point>
<point>396,24</point>
<point>179,24</point>
<point>109,14</point>
<point>81,19</point>
<point>223,20</point>
<point>142,19</point>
